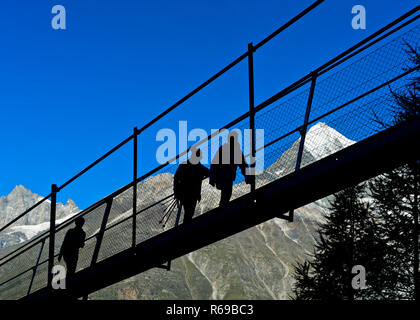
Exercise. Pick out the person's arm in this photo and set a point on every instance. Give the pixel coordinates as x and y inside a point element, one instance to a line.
<point>211,174</point>
<point>82,240</point>
<point>205,172</point>
<point>60,255</point>
<point>249,178</point>
<point>213,168</point>
<point>243,165</point>
<point>176,182</point>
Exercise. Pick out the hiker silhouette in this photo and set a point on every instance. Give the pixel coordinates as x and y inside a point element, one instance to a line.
<point>73,241</point>
<point>187,183</point>
<point>224,165</point>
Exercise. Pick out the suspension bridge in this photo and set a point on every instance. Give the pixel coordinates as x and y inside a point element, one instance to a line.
<point>125,237</point>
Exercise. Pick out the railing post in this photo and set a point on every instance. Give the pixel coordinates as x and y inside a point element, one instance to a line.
<point>36,266</point>
<point>100,235</point>
<point>251,50</point>
<point>52,234</point>
<point>101,232</point>
<point>136,132</point>
<point>178,217</point>
<point>304,130</point>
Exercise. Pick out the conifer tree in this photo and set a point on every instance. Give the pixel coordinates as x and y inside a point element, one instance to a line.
<point>386,240</point>
<point>348,238</point>
<point>396,199</point>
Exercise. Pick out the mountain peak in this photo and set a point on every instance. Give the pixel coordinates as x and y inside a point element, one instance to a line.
<point>20,191</point>
<point>325,129</point>
<point>322,140</point>
<point>19,188</point>
<point>21,198</point>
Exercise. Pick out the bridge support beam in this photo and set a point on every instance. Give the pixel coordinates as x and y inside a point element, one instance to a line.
<point>251,51</point>
<point>51,244</point>
<point>304,130</point>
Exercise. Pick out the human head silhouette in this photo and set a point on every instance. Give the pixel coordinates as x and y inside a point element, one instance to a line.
<point>79,222</point>
<point>196,155</point>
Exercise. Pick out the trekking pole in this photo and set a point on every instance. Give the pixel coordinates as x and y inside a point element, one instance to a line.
<point>169,213</point>
<point>168,200</point>
<point>167,210</point>
<point>178,215</point>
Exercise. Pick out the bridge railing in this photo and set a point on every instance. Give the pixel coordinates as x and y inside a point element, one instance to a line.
<point>344,93</point>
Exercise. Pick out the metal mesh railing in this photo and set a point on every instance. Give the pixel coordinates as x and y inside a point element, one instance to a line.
<point>343,111</point>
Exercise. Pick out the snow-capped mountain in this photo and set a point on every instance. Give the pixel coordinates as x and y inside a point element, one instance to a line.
<point>19,200</point>
<point>321,140</point>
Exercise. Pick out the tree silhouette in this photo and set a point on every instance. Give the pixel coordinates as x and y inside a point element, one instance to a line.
<point>382,236</point>
<point>349,237</point>
<point>396,199</point>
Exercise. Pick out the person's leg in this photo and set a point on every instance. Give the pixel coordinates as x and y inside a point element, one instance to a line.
<point>225,195</point>
<point>189,209</point>
<point>71,263</point>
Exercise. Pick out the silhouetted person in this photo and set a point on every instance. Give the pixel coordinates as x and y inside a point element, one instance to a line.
<point>224,165</point>
<point>73,241</point>
<point>187,183</point>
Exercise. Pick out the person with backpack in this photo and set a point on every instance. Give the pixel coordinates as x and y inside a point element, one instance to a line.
<point>187,183</point>
<point>224,166</point>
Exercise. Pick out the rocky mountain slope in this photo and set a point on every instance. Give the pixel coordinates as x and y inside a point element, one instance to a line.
<point>19,200</point>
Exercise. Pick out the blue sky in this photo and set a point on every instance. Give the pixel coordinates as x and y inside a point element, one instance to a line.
<point>68,96</point>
